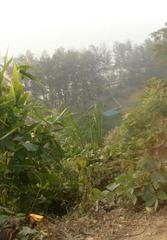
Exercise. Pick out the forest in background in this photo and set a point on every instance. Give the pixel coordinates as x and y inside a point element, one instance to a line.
<point>97,75</point>
<point>54,161</point>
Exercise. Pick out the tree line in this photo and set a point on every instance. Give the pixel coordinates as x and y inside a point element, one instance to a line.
<point>81,78</point>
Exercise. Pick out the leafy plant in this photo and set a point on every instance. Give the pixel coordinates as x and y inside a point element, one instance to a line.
<point>138,151</point>
<point>31,171</point>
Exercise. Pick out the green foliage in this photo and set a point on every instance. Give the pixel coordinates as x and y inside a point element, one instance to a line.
<point>138,150</point>
<point>160,44</point>
<point>82,78</point>
<point>82,129</point>
<point>10,221</point>
<point>31,173</point>
<point>49,161</point>
<point>54,161</point>
<point>146,184</point>
<point>75,78</point>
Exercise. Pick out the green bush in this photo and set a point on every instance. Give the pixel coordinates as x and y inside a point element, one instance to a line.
<point>49,161</point>
<point>31,172</point>
<point>138,150</point>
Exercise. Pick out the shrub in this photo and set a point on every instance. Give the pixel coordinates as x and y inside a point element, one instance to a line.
<point>31,171</point>
<point>138,149</point>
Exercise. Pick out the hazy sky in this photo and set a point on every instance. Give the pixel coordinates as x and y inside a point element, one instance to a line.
<point>48,24</point>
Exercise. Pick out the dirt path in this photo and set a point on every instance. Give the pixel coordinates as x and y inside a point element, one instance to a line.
<point>114,225</point>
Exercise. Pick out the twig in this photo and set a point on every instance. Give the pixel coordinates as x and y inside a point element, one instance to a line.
<point>131,235</point>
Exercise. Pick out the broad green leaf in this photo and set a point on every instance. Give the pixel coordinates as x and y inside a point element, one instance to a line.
<point>18,87</point>
<point>28,75</point>
<point>149,198</point>
<point>27,231</point>
<point>31,147</point>
<point>4,218</point>
<point>162,195</point>
<point>24,67</point>
<point>95,194</point>
<point>157,177</point>
<point>111,187</point>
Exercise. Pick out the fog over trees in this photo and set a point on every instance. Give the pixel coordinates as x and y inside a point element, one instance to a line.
<point>83,131</point>
<point>81,78</point>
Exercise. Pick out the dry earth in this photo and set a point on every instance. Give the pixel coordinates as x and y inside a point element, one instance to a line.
<point>117,224</point>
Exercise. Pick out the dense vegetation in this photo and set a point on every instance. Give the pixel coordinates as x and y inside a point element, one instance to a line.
<point>138,149</point>
<point>54,158</point>
<point>97,75</point>
<point>138,146</point>
<point>44,154</point>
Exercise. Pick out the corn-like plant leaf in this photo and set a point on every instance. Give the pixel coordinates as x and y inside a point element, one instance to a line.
<point>7,134</point>
<point>18,87</point>
<point>28,75</point>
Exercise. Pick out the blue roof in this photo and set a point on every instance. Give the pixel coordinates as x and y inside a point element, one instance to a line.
<point>111,113</point>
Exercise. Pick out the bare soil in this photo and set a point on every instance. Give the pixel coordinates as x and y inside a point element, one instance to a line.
<point>117,224</point>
